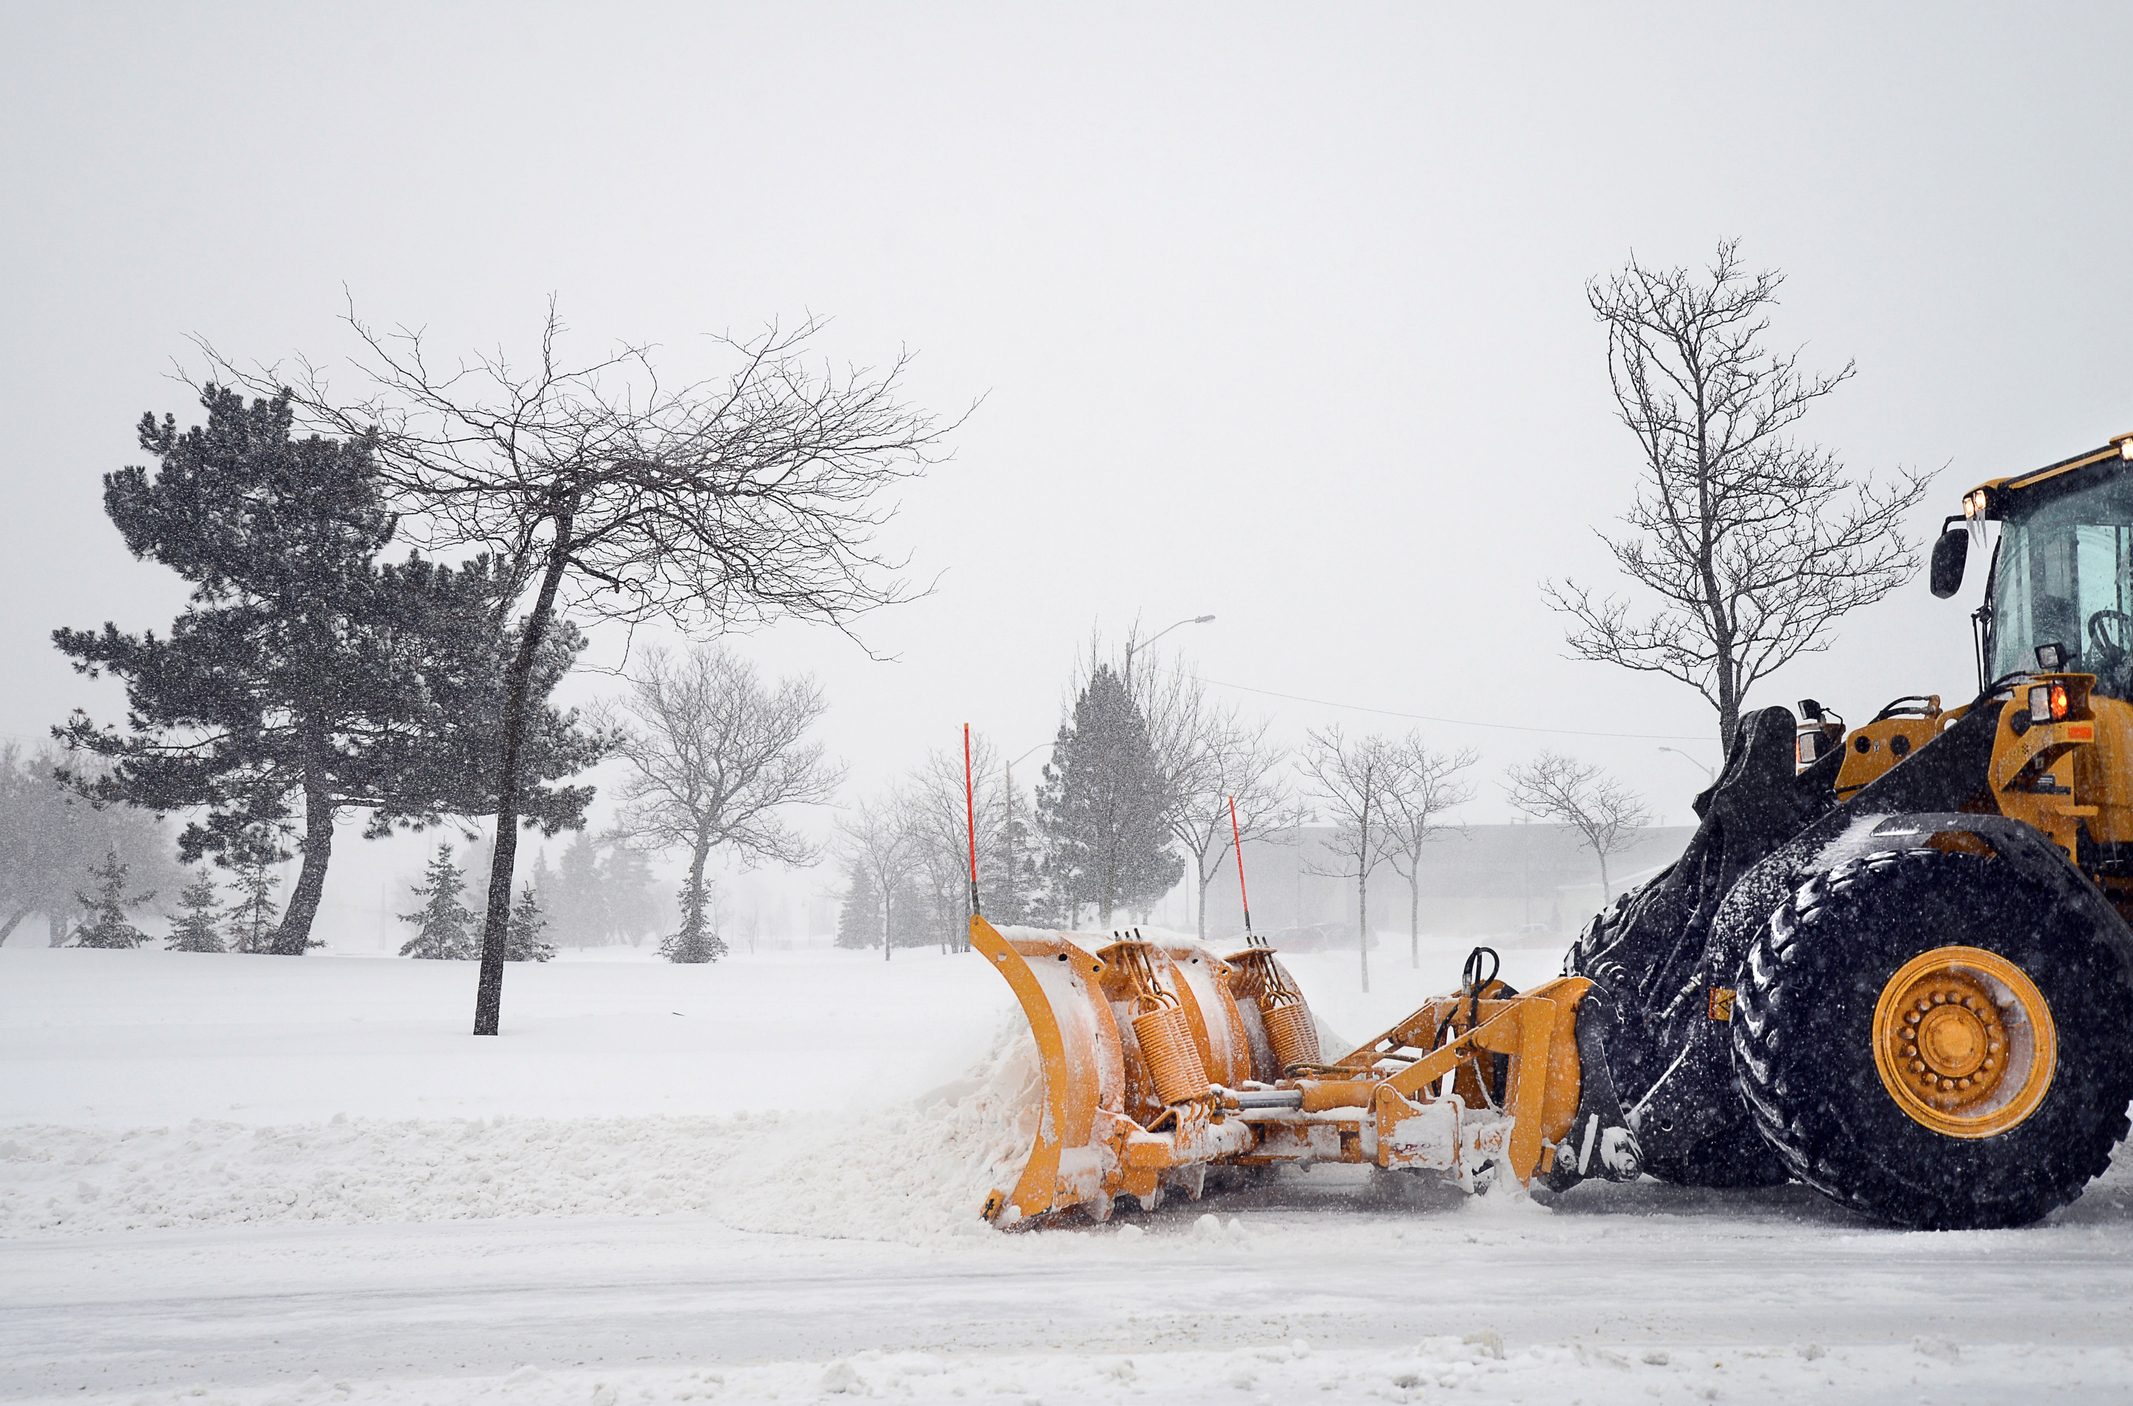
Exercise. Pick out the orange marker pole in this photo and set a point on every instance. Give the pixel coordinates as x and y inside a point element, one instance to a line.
<point>1236,840</point>
<point>970,817</point>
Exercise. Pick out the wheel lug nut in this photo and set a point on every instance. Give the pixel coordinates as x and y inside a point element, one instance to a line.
<point>1918,1066</point>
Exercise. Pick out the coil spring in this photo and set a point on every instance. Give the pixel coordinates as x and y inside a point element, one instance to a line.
<point>1290,1031</point>
<point>1172,1058</point>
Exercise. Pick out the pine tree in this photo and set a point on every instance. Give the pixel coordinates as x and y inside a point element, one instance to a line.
<point>197,911</point>
<point>522,940</point>
<point>253,920</point>
<point>1100,807</point>
<point>105,924</point>
<point>630,895</point>
<point>575,900</point>
<point>443,925</point>
<point>696,940</point>
<point>859,915</point>
<point>306,675</point>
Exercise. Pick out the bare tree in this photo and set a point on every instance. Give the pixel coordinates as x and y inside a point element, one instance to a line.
<point>878,843</point>
<point>622,495</point>
<point>1605,813</point>
<point>1425,784</point>
<point>936,814</point>
<point>1207,756</point>
<point>1754,542</point>
<point>1353,779</point>
<point>717,758</point>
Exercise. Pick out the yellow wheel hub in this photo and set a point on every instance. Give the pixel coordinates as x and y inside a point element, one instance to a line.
<point>1964,1042</point>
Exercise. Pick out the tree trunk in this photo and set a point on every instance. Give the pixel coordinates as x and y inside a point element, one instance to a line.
<point>888,926</point>
<point>1607,892</point>
<point>8,931</point>
<point>1362,895</point>
<point>1362,921</point>
<point>1206,879</point>
<point>518,682</point>
<point>699,854</point>
<point>293,937</point>
<point>1414,915</point>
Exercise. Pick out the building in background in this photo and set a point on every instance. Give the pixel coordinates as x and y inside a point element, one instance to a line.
<point>1521,882</point>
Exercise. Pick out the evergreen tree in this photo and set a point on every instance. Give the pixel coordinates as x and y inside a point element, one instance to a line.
<point>105,924</point>
<point>198,908</point>
<point>630,895</point>
<point>695,940</point>
<point>1100,807</point>
<point>443,925</point>
<point>304,677</point>
<point>543,878</point>
<point>912,921</point>
<point>522,940</point>
<point>859,915</point>
<point>253,920</point>
<point>576,903</point>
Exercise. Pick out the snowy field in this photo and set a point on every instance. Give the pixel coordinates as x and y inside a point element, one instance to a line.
<point>253,1180</point>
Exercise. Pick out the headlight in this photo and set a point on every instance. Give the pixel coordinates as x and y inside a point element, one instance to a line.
<point>1975,502</point>
<point>2048,702</point>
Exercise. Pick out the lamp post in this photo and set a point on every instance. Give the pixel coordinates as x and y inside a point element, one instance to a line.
<point>1132,647</point>
<point>1708,773</point>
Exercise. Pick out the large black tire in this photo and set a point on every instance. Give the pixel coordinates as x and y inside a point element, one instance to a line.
<point>1803,1044</point>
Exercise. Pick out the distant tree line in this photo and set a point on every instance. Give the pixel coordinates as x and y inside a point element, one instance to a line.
<point>1137,796</point>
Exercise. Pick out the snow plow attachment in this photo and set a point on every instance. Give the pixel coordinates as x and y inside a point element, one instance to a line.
<point>1161,1059</point>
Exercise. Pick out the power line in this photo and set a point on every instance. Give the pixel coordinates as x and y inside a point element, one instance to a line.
<point>1462,722</point>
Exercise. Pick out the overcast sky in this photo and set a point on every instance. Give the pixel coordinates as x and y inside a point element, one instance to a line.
<point>1276,312</point>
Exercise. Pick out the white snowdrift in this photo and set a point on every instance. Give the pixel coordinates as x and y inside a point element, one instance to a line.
<point>909,1169</point>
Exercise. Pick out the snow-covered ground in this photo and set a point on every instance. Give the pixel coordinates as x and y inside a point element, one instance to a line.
<point>259,1180</point>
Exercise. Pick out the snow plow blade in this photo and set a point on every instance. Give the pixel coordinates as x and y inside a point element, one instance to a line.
<point>1161,1059</point>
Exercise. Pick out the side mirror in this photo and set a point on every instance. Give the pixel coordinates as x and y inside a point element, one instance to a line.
<point>1950,554</point>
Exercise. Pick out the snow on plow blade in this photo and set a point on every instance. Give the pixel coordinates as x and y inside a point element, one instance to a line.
<point>1161,1059</point>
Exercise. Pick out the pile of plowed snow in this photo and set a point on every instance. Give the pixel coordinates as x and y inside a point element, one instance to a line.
<point>909,1169</point>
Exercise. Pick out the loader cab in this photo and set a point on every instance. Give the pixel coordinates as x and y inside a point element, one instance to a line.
<point>2061,580</point>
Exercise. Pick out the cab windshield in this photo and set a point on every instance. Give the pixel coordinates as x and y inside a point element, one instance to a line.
<point>2064,575</point>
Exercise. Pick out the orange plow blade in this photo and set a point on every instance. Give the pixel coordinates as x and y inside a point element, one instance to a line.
<point>1161,1059</point>
<point>1083,1070</point>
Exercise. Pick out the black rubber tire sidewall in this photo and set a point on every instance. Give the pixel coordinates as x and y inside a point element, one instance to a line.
<point>1803,1051</point>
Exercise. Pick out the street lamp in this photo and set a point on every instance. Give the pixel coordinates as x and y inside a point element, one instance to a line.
<point>1132,647</point>
<point>1708,773</point>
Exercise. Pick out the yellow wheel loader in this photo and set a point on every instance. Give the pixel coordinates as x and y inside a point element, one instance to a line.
<point>1892,963</point>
